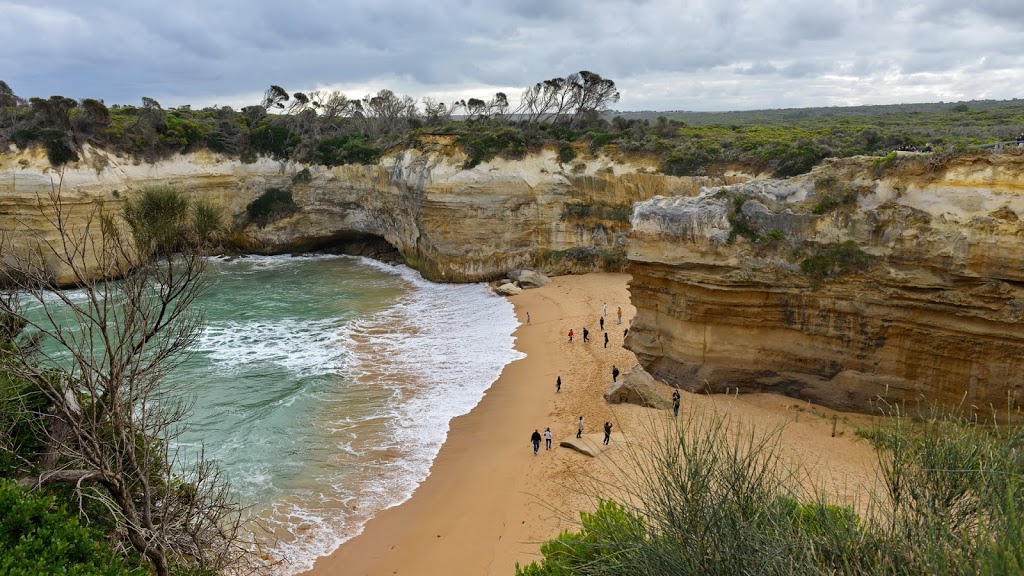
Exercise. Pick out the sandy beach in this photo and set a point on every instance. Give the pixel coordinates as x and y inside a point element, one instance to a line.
<point>489,502</point>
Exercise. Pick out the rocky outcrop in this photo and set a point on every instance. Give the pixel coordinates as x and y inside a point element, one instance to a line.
<point>859,285</point>
<point>636,387</point>
<point>529,278</point>
<point>449,223</point>
<point>508,289</point>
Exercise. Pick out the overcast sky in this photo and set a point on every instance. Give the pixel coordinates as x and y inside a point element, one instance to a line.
<point>662,54</point>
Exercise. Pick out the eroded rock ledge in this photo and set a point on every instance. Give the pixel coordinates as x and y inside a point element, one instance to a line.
<point>846,286</point>
<point>451,224</point>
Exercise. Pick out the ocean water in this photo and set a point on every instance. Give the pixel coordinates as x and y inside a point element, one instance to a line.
<point>324,387</point>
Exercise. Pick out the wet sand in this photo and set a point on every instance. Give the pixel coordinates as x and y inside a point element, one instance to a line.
<point>489,501</point>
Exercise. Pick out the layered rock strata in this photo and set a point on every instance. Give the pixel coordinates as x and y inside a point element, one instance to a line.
<point>860,286</point>
<point>451,224</point>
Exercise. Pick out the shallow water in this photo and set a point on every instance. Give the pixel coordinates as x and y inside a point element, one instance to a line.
<point>324,386</point>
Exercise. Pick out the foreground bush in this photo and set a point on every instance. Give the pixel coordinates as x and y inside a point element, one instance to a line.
<point>716,500</point>
<point>39,537</point>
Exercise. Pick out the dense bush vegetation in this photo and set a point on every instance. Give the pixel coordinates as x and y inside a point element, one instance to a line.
<point>38,536</point>
<point>272,204</point>
<point>95,433</point>
<point>835,260</point>
<point>596,210</point>
<point>713,499</point>
<point>328,128</point>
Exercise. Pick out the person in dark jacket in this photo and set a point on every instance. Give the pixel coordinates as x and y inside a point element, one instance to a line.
<point>535,438</point>
<point>607,432</point>
<point>615,373</point>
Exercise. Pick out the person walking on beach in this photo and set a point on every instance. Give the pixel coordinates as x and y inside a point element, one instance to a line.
<point>570,335</point>
<point>547,438</point>
<point>624,332</point>
<point>602,322</point>
<point>586,334</point>
<point>605,309</point>
<point>579,428</point>
<point>605,339</point>
<point>675,404</point>
<point>558,384</point>
<point>535,438</point>
<point>607,432</point>
<point>615,373</point>
<point>527,318</point>
<point>620,315</point>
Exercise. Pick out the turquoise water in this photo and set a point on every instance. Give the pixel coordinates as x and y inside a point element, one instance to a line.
<point>324,386</point>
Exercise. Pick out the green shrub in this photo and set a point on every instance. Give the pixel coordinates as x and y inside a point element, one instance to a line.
<point>601,539</point>
<point>182,134</point>
<point>830,201</point>
<point>271,205</point>
<point>599,139</point>
<point>59,145</point>
<point>350,149</point>
<point>798,160</point>
<point>715,498</point>
<point>566,153</point>
<point>207,220</point>
<point>836,260</point>
<point>21,440</point>
<point>302,176</point>
<point>597,210</point>
<point>158,218</point>
<point>274,141</point>
<point>507,141</point>
<point>39,537</point>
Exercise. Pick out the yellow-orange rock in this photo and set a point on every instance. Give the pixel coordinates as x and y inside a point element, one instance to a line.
<point>937,316</point>
<point>451,224</point>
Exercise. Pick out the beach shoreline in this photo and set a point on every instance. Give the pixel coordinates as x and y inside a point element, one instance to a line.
<point>488,501</point>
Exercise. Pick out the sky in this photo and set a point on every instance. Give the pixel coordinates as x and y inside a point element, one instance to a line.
<point>699,55</point>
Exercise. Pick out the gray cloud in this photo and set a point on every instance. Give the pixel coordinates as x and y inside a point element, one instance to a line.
<point>663,54</point>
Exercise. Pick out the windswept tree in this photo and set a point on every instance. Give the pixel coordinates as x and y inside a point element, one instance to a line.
<point>92,118</point>
<point>435,113</point>
<point>387,113</point>
<point>475,107</point>
<point>498,106</point>
<point>53,112</point>
<point>591,95</point>
<point>96,365</point>
<point>274,97</point>
<point>9,105</point>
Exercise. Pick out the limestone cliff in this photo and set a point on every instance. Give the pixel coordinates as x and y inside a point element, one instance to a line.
<point>449,223</point>
<point>865,281</point>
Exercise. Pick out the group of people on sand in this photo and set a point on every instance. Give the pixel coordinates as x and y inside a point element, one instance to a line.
<point>537,436</point>
<point>586,332</point>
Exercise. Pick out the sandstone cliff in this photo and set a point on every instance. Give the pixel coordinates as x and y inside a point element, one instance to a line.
<point>451,224</point>
<point>864,283</point>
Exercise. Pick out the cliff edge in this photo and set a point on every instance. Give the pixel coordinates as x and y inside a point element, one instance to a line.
<point>864,284</point>
<point>450,223</point>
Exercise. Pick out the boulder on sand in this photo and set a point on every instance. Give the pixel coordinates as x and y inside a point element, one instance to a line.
<point>508,290</point>
<point>636,387</point>
<point>529,278</point>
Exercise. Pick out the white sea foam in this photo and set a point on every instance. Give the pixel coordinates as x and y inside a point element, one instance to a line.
<point>303,347</point>
<point>435,353</point>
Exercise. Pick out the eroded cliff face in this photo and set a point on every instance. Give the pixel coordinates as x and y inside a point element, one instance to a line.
<point>451,224</point>
<point>906,286</point>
